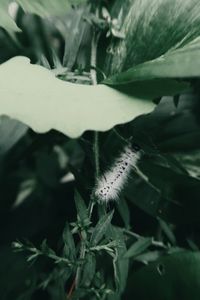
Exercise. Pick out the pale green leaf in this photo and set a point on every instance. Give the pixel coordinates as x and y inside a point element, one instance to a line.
<point>42,8</point>
<point>31,94</point>
<point>45,8</point>
<point>6,20</point>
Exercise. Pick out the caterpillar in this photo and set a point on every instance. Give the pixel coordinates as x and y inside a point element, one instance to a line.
<point>111,183</point>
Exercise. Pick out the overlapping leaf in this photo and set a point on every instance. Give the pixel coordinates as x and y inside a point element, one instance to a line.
<point>151,29</point>
<point>161,43</point>
<point>179,63</point>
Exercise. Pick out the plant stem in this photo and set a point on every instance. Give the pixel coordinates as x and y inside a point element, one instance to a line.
<point>96,154</point>
<point>93,74</point>
<point>137,236</point>
<point>95,39</point>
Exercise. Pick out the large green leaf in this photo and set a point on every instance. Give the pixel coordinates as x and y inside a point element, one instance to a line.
<point>169,278</point>
<point>151,29</point>
<point>31,94</point>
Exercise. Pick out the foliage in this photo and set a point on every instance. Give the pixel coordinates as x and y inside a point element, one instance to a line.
<point>61,132</point>
<point>37,103</point>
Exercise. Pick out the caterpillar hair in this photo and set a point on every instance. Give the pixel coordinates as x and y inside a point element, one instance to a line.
<point>111,183</point>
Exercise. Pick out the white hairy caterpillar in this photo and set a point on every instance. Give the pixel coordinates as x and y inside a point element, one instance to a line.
<point>111,183</point>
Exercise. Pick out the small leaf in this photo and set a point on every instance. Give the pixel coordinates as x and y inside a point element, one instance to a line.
<point>69,250</point>
<point>138,247</point>
<point>81,209</point>
<point>101,228</point>
<point>148,256</point>
<point>89,268</point>
<point>43,8</point>
<point>168,231</point>
<point>46,250</point>
<point>121,263</point>
<point>124,212</point>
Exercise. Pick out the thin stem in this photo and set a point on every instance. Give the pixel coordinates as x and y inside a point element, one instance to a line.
<point>93,74</point>
<point>96,154</point>
<point>69,295</point>
<point>93,60</point>
<point>137,236</point>
<point>120,136</point>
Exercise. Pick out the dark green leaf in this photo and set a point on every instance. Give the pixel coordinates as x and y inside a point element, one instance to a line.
<point>123,209</point>
<point>138,247</point>
<point>69,250</point>
<point>171,277</point>
<point>120,262</point>
<point>168,231</point>
<point>178,63</point>
<point>81,209</point>
<point>101,228</point>
<point>89,268</point>
<point>150,89</point>
<point>149,256</point>
<point>11,132</point>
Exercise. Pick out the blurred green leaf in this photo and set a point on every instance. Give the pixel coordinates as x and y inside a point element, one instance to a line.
<point>41,8</point>
<point>168,231</point>
<point>13,264</point>
<point>171,277</point>
<point>6,20</point>
<point>46,9</point>
<point>11,132</point>
<point>190,160</point>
